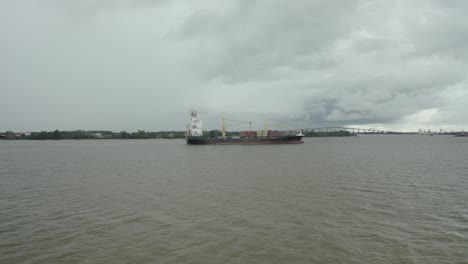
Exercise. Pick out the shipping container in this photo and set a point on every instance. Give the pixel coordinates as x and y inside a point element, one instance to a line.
<point>274,133</point>
<point>248,134</point>
<point>262,133</point>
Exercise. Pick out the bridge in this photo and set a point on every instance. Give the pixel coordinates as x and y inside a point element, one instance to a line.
<point>353,130</point>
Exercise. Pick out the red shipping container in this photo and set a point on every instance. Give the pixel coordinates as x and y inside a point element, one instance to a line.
<point>247,133</point>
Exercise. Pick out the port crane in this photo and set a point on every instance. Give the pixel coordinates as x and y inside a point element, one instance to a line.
<point>233,123</point>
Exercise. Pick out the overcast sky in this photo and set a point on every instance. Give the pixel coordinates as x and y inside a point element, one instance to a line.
<point>145,64</point>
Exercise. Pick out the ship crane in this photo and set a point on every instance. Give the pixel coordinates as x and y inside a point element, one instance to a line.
<point>268,124</point>
<point>233,123</point>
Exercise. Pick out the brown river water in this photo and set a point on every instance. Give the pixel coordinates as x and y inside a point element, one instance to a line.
<point>367,199</point>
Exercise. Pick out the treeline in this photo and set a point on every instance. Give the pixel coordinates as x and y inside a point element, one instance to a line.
<point>80,134</point>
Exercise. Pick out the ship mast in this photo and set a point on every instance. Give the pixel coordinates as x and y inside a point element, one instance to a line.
<point>267,126</point>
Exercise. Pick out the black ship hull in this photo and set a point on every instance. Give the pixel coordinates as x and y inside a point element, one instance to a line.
<point>197,140</point>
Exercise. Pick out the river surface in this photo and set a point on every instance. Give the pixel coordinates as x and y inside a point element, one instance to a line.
<point>367,199</point>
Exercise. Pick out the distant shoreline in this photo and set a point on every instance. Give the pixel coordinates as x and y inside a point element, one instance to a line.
<point>141,134</point>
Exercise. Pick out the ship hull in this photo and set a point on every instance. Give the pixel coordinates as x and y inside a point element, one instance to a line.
<point>196,140</point>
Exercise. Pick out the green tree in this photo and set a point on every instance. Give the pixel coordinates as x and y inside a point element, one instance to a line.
<point>56,134</point>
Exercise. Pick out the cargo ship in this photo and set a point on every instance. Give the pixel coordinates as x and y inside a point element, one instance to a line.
<point>194,135</point>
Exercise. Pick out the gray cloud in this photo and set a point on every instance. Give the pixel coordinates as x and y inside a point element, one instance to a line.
<point>252,40</point>
<point>144,64</point>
